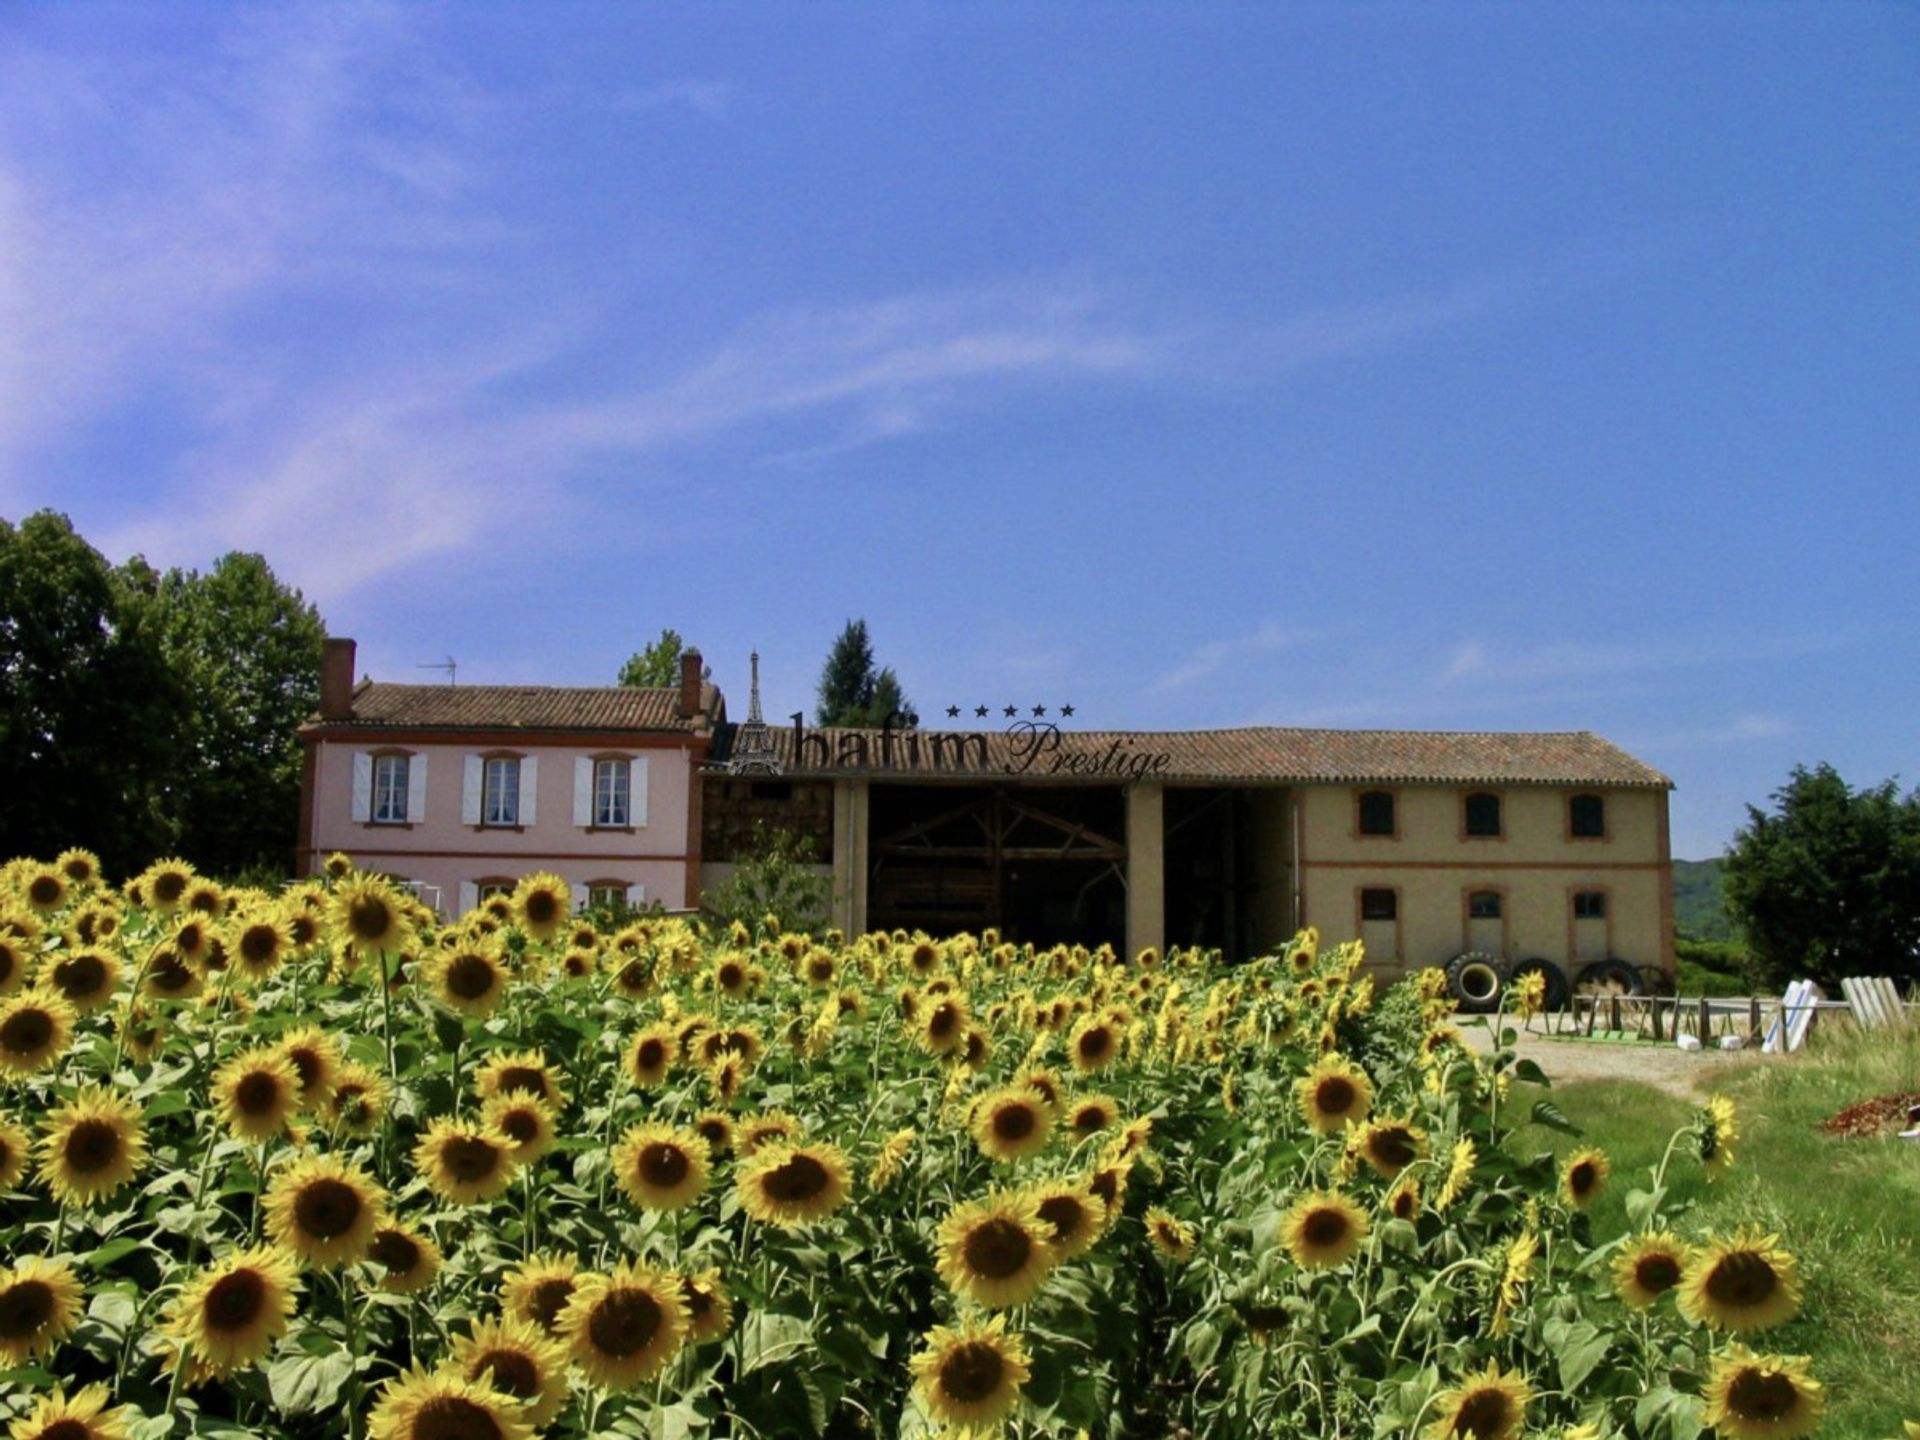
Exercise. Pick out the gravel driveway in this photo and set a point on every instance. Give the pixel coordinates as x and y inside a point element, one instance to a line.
<point>1666,1067</point>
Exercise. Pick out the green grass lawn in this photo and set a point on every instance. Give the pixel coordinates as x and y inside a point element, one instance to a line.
<point>1848,1209</point>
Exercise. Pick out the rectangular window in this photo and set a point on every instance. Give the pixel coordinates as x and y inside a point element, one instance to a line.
<point>500,799</point>
<point>490,888</point>
<point>612,795</point>
<point>1379,905</point>
<point>606,894</point>
<point>1589,905</point>
<point>1587,817</point>
<point>1483,814</point>
<point>390,790</point>
<point>1483,905</point>
<point>1376,812</point>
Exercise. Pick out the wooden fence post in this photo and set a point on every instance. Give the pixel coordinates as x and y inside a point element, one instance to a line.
<point>1706,1021</point>
<point>1656,1018</point>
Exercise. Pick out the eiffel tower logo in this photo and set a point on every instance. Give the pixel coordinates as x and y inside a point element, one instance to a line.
<point>753,752</point>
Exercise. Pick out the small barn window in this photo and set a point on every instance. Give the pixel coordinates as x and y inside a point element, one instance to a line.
<point>1376,812</point>
<point>1379,905</point>
<point>1483,905</point>
<point>1587,817</point>
<point>1589,905</point>
<point>1483,814</point>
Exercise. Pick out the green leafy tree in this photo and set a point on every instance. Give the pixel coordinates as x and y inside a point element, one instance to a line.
<point>777,875</point>
<point>249,648</point>
<point>1827,884</point>
<point>90,713</point>
<point>657,666</point>
<point>853,692</point>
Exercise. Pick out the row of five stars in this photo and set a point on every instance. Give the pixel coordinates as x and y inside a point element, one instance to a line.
<point>953,711</point>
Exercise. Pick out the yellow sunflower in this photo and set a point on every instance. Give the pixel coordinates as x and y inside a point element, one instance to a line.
<point>324,1210</point>
<point>1389,1146</point>
<point>1333,1094</point>
<point>315,1057</point>
<point>1322,1229</point>
<point>359,1099</point>
<point>464,1162</point>
<point>542,905</point>
<point>16,962</point>
<point>231,1314</point>
<point>651,1055</point>
<point>1403,1201</point>
<point>419,1405</point>
<point>1586,1172</point>
<point>165,883</point>
<point>526,1121</point>
<point>170,977</point>
<point>85,1415</point>
<point>970,1378</point>
<point>1012,1123</point>
<point>1648,1268</point>
<point>92,1147</point>
<point>1459,1174</point>
<point>256,1093</point>
<point>85,978</point>
<point>81,867</point>
<point>1094,1045</point>
<point>16,1149</point>
<point>35,1027</point>
<point>1073,1215</point>
<point>943,1024</point>
<point>369,916</point>
<point>709,1307</point>
<point>625,1327</point>
<point>516,1359</point>
<point>520,1072</point>
<point>409,1261</point>
<point>788,1185</point>
<point>716,1128</point>
<point>1088,1115</point>
<point>44,889</point>
<point>1744,1283</point>
<point>1490,1404</point>
<point>893,1154</point>
<point>538,1289</point>
<point>1108,1185</point>
<point>1762,1397</point>
<point>469,979</point>
<point>661,1168</point>
<point>766,1128</point>
<point>995,1251</point>
<point>1717,1128</point>
<point>1171,1237</point>
<point>259,943</point>
<point>39,1306</point>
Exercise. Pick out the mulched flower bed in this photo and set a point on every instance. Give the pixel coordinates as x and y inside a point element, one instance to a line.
<point>1872,1119</point>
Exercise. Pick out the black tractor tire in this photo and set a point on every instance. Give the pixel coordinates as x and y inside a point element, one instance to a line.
<point>1476,981</point>
<point>1607,977</point>
<point>1655,981</point>
<point>1559,989</point>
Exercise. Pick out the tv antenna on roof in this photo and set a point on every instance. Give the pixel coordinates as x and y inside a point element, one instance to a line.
<point>446,665</point>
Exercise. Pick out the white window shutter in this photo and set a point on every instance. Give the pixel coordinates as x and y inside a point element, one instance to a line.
<point>637,790</point>
<point>417,790</point>
<point>362,787</point>
<point>469,895</point>
<point>636,895</point>
<point>529,788</point>
<point>471,785</point>
<point>582,791</point>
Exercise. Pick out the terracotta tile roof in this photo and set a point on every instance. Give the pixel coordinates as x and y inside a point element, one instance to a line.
<point>514,707</point>
<point>1269,754</point>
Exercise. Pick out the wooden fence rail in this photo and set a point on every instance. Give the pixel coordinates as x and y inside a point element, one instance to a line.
<point>1667,1017</point>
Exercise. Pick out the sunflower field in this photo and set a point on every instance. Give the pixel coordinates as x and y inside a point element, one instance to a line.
<point>314,1163</point>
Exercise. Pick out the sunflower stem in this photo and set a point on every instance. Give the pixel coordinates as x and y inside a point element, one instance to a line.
<point>353,1355</point>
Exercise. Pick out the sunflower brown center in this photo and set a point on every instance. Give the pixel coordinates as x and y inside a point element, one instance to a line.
<point>1334,1095</point>
<point>510,1370</point>
<point>663,1165</point>
<point>633,975</point>
<point>624,1321</point>
<point>1095,1043</point>
<point>1483,1414</point>
<point>1755,1395</point>
<point>469,976</point>
<point>523,1078</point>
<point>258,1093</point>
<point>327,1208</point>
<point>715,1133</point>
<point>79,976</point>
<point>651,1055</point>
<point>369,918</point>
<point>522,1126</point>
<point>235,1301</point>
<point>972,1372</point>
<point>542,906</point>
<point>168,975</point>
<point>1403,1205</point>
<point>799,1177</point>
<point>45,891</point>
<point>1583,1178</point>
<point>1065,1214</point>
<point>1742,1278</point>
<point>1392,1147</point>
<point>26,1030</point>
<point>1014,1122</point>
<point>548,1299</point>
<point>998,1248</point>
<point>470,1157</point>
<point>453,1417</point>
<point>1324,1228</point>
<point>398,1252</point>
<point>259,944</point>
<point>1089,1118</point>
<point>1658,1273</point>
<point>92,1145</point>
<point>169,887</point>
<point>66,1430</point>
<point>1106,1185</point>
<point>25,1307</point>
<point>699,1302</point>
<point>941,1023</point>
<point>8,963</point>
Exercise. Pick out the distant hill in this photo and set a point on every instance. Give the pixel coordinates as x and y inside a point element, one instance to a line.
<point>1697,909</point>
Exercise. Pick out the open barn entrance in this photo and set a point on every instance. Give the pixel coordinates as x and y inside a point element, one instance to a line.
<point>1228,852</point>
<point>1044,865</point>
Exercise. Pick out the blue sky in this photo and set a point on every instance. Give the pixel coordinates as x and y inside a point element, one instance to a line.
<point>1470,367</point>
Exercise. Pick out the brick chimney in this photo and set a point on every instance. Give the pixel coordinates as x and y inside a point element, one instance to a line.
<point>689,684</point>
<point>336,680</point>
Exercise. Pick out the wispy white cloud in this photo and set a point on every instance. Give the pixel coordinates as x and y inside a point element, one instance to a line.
<point>708,98</point>
<point>1208,658</point>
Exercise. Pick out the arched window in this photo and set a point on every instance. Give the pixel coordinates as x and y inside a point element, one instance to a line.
<point>1376,812</point>
<point>1587,817</point>
<point>1482,814</point>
